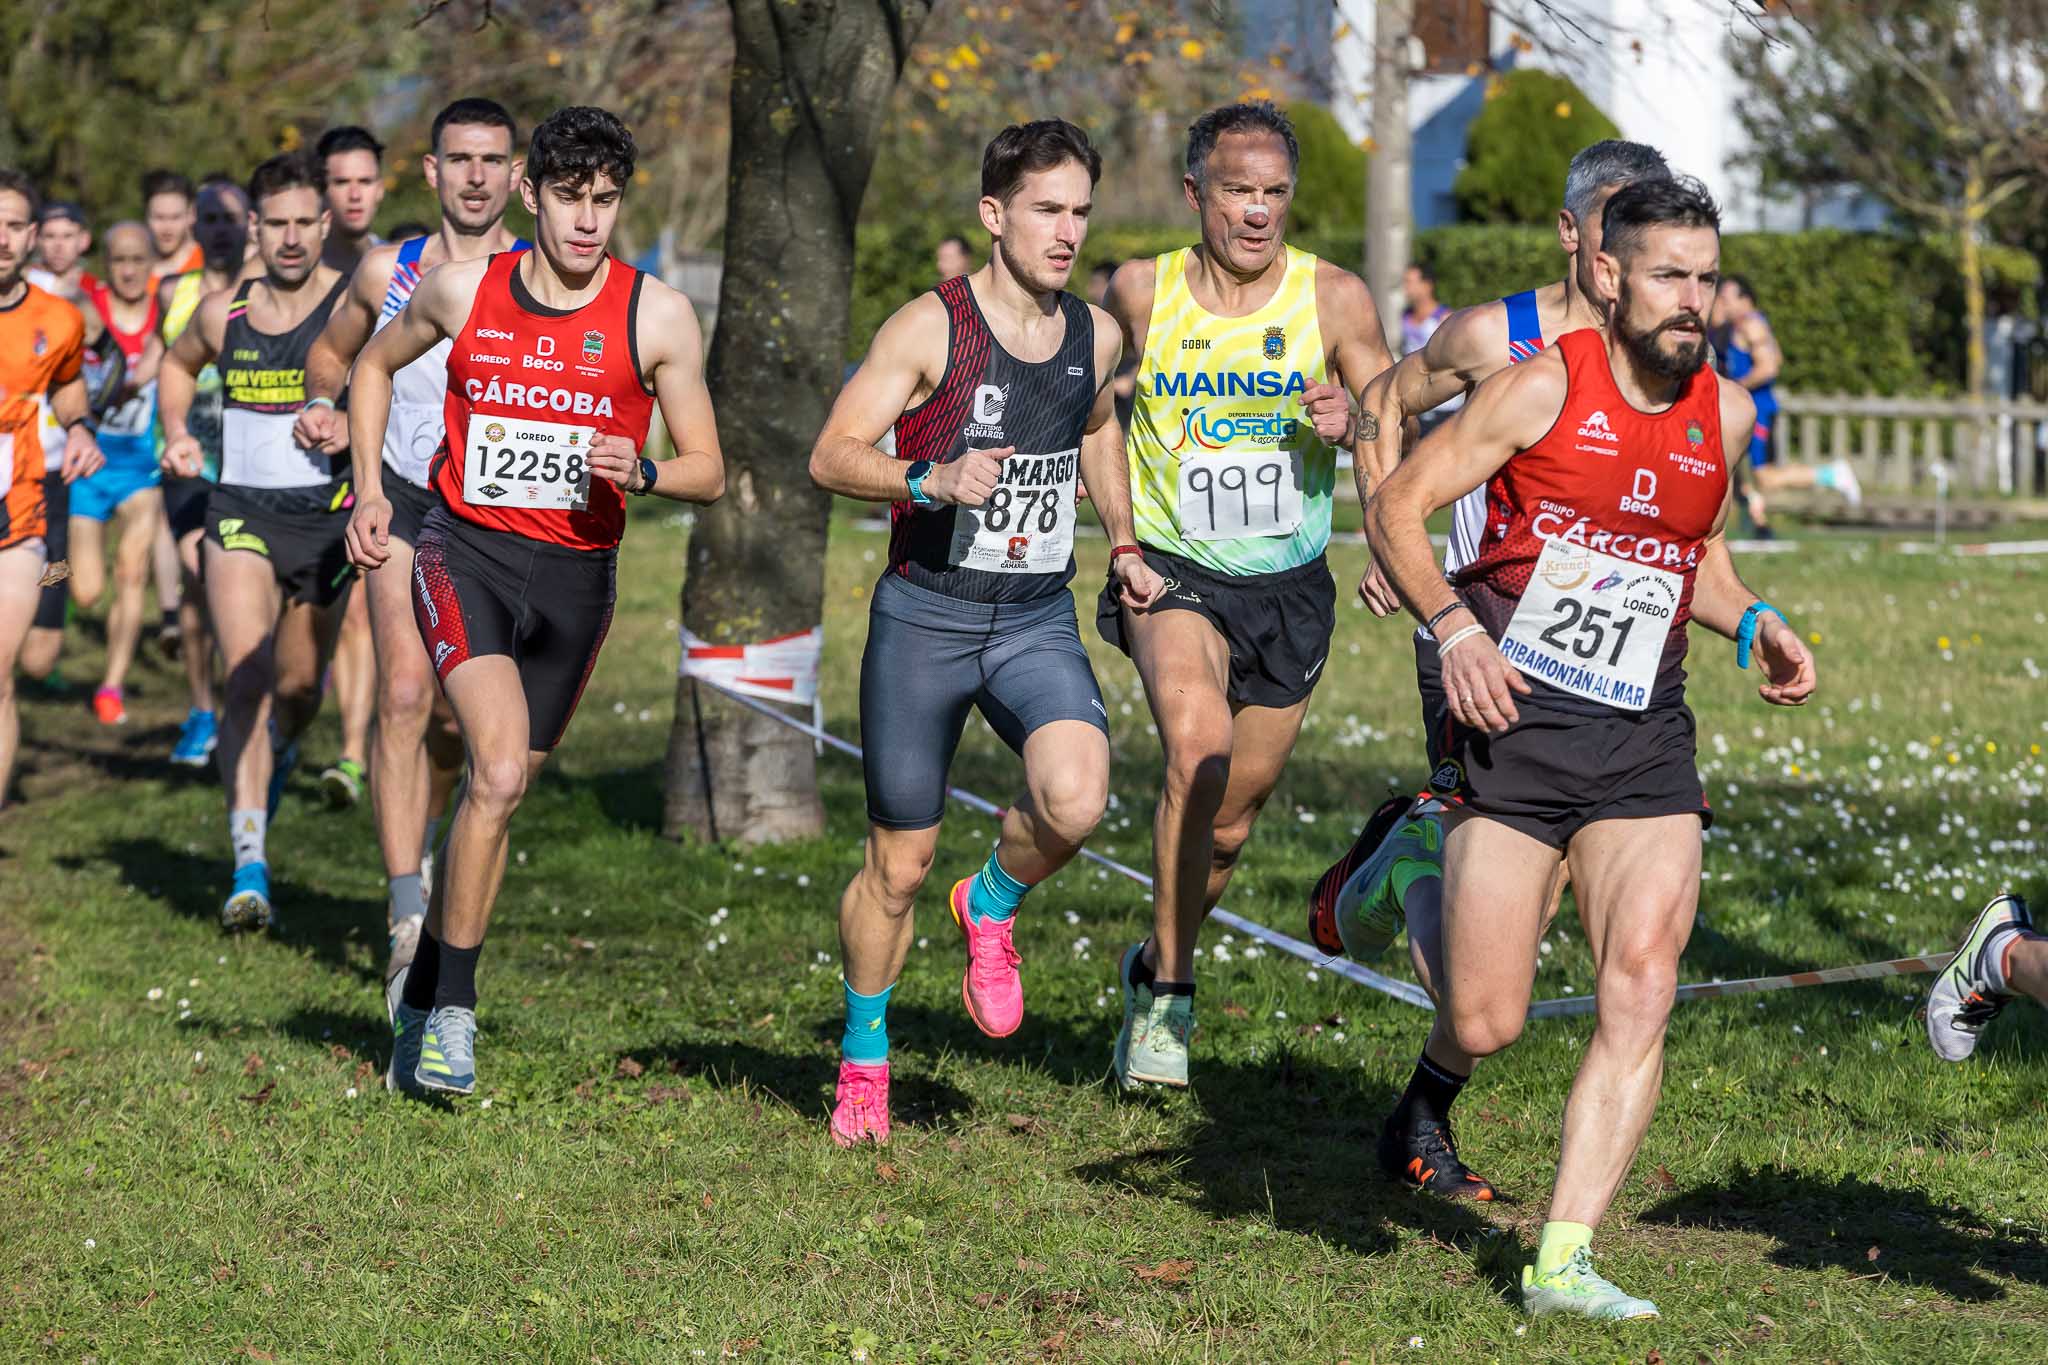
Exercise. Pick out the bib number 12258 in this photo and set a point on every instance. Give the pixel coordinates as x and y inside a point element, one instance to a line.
<point>512,462</point>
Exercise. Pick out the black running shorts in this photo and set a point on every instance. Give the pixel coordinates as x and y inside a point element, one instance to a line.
<point>410,504</point>
<point>1429,682</point>
<point>1277,625</point>
<point>304,543</point>
<point>185,504</point>
<point>930,657</point>
<point>546,607</point>
<point>1554,771</point>
<point>52,598</point>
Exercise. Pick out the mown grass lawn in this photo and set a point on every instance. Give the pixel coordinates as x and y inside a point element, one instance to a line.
<point>200,1163</point>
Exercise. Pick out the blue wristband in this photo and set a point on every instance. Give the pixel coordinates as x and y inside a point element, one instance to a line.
<point>1745,634</point>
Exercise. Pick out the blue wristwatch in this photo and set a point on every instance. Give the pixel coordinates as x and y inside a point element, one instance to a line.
<point>1745,634</point>
<point>648,474</point>
<point>914,477</point>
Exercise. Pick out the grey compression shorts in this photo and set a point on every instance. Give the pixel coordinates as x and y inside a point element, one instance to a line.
<point>930,657</point>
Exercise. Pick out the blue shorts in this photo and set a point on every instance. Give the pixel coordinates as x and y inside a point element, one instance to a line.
<point>95,497</point>
<point>1760,440</point>
<point>930,657</point>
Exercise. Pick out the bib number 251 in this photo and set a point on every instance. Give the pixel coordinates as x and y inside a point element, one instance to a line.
<point>1584,631</point>
<point>515,463</point>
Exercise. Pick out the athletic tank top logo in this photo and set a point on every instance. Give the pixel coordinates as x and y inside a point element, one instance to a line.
<point>263,380</point>
<point>1225,471</point>
<point>1018,546</point>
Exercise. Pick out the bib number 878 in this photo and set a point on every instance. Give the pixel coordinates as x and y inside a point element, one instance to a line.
<point>1587,629</point>
<point>1027,504</point>
<point>543,466</point>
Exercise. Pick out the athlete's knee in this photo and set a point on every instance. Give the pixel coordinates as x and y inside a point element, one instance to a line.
<point>405,698</point>
<point>1637,984</point>
<point>1484,1027</point>
<point>497,784</point>
<point>897,871</point>
<point>1228,838</point>
<point>1197,756</point>
<point>1071,805</point>
<point>249,681</point>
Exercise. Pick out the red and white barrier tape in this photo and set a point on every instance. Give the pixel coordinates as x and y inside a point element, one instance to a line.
<point>1405,991</point>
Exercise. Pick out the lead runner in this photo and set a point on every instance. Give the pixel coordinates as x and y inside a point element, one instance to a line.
<point>561,355</point>
<point>1605,461</point>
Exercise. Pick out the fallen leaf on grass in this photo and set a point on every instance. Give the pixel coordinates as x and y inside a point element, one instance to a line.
<point>582,1092</point>
<point>765,1020</point>
<point>663,1094</point>
<point>1166,1272</point>
<point>888,1172</point>
<point>1028,1266</point>
<point>262,1096</point>
<point>339,1053</point>
<point>1872,1254</point>
<point>986,1300</point>
<point>587,945</point>
<point>1235,1010</point>
<point>1023,1123</point>
<point>1655,1357</point>
<point>732,1349</point>
<point>365,1070</point>
<point>628,1069</point>
<point>253,1065</point>
<point>1662,1179</point>
<point>245,1349</point>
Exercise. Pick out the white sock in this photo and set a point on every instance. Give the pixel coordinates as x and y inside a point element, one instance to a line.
<point>246,828</point>
<point>408,897</point>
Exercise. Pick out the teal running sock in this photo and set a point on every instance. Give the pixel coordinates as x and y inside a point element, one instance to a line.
<point>867,1027</point>
<point>1825,477</point>
<point>994,893</point>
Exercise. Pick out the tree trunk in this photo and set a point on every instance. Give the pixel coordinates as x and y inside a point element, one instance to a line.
<point>811,83</point>
<point>1388,175</point>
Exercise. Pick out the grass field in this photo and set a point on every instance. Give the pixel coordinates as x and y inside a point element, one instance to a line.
<point>200,1162</point>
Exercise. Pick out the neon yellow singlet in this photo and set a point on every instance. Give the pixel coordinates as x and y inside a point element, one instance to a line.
<point>1225,468</point>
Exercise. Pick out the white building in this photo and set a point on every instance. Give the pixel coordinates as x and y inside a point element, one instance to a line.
<point>1658,68</point>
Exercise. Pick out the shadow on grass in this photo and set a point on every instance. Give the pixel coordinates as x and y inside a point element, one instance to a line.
<point>804,1081</point>
<point>190,884</point>
<point>1818,1223</point>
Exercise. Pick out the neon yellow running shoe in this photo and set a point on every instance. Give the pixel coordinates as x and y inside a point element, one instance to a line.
<point>1575,1288</point>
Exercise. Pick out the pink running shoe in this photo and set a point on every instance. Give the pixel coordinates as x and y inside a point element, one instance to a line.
<point>991,988</point>
<point>861,1104</point>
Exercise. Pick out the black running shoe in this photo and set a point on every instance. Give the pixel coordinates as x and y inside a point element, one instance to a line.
<point>1322,902</point>
<point>1420,1154</point>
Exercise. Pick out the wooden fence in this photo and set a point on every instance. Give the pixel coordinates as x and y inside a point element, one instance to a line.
<point>1895,444</point>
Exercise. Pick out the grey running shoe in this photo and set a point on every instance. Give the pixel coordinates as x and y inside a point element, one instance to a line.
<point>1962,1001</point>
<point>448,1051</point>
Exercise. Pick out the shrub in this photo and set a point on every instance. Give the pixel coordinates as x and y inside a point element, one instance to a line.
<point>1518,149</point>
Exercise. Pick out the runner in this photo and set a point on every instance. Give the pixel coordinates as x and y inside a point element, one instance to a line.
<point>63,237</point>
<point>1748,353</point>
<point>997,387</point>
<point>415,756</point>
<point>1358,905</point>
<point>125,490</point>
<point>168,204</point>
<point>354,161</point>
<point>42,347</point>
<point>275,569</point>
<point>223,232</point>
<point>1247,350</point>
<point>561,355</point>
<point>954,257</point>
<point>1604,462</point>
<point>2000,957</point>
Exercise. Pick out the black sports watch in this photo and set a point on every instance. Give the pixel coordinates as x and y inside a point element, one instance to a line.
<point>647,477</point>
<point>914,477</point>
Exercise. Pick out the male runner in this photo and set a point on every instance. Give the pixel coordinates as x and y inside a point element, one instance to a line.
<point>223,233</point>
<point>168,204</point>
<point>413,762</point>
<point>125,489</point>
<point>63,237</point>
<point>1395,867</point>
<point>275,569</point>
<point>560,357</point>
<point>354,161</point>
<point>997,386</point>
<point>954,258</point>
<point>42,347</point>
<point>2000,957</point>
<point>1605,464</point>
<point>1748,352</point>
<point>1247,351</point>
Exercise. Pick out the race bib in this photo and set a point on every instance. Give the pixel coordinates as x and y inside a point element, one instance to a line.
<point>1593,625</point>
<point>515,462</point>
<point>132,418</point>
<point>411,436</point>
<point>6,463</point>
<point>1237,494</point>
<point>1027,524</point>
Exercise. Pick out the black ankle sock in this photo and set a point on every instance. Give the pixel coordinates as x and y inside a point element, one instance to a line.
<point>423,974</point>
<point>1140,974</point>
<point>170,618</point>
<point>1186,988</point>
<point>457,985</point>
<point>1431,1092</point>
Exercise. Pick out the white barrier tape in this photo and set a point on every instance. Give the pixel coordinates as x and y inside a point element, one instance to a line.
<point>1984,548</point>
<point>1405,991</point>
<point>781,669</point>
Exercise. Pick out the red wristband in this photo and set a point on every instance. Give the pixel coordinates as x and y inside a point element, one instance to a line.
<point>1118,550</point>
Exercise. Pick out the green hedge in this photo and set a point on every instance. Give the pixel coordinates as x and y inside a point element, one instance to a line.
<point>1518,150</point>
<point>1855,312</point>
